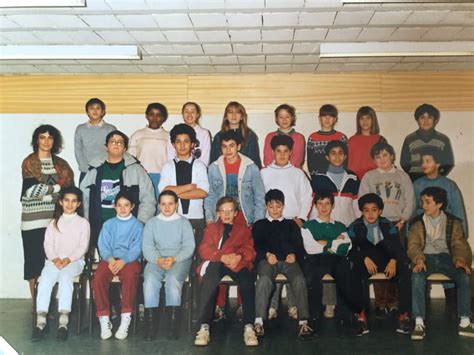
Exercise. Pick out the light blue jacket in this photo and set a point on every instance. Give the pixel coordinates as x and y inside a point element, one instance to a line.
<point>250,188</point>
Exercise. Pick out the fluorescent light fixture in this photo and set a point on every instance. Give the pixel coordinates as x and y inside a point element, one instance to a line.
<point>13,52</point>
<point>396,49</point>
<point>405,1</point>
<point>42,3</point>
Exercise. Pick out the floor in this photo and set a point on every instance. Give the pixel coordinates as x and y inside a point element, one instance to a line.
<point>280,337</point>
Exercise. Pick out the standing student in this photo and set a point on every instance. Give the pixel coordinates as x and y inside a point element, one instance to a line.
<point>44,175</point>
<point>427,116</point>
<point>285,118</point>
<point>191,113</point>
<point>360,144</point>
<point>90,136</point>
<point>148,144</point>
<point>235,119</point>
<point>66,242</point>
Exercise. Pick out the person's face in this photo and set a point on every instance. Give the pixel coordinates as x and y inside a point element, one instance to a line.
<point>384,160</point>
<point>336,156</point>
<point>190,115</point>
<point>371,212</point>
<point>227,213</point>
<point>365,123</point>
<point>123,207</point>
<point>116,146</point>
<point>429,205</point>
<point>275,209</point>
<point>95,112</point>
<point>429,165</point>
<point>45,142</point>
<point>234,116</point>
<point>70,203</point>
<point>327,122</point>
<point>281,154</point>
<point>230,149</point>
<point>284,119</point>
<point>426,122</point>
<point>154,118</point>
<point>168,205</point>
<point>183,146</point>
<point>324,207</point>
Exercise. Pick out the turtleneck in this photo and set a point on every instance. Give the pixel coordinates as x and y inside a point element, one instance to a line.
<point>125,218</point>
<point>336,169</point>
<point>173,217</point>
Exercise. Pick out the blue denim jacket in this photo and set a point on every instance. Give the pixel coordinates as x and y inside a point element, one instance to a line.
<point>251,189</point>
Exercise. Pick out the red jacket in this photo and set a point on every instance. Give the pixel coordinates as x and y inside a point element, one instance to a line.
<point>240,241</point>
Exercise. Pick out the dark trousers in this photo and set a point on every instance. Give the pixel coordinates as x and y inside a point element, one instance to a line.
<point>208,288</point>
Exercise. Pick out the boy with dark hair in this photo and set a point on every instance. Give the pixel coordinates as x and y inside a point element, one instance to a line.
<point>89,137</point>
<point>149,144</point>
<point>279,248</point>
<point>436,244</point>
<point>376,248</point>
<point>427,117</point>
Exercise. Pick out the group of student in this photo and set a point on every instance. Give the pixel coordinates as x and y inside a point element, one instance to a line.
<point>179,199</point>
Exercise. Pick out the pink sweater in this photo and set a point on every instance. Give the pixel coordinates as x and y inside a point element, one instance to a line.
<point>70,241</point>
<point>297,155</point>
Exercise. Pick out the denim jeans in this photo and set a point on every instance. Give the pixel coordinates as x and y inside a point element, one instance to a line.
<point>155,179</point>
<point>443,264</point>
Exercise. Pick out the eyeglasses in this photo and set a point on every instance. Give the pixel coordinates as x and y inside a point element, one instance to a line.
<point>117,143</point>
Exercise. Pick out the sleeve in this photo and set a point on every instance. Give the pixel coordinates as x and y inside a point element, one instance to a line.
<point>85,188</point>
<point>298,151</point>
<point>297,241</point>
<point>415,237</point>
<point>254,150</point>
<point>259,243</point>
<point>306,195</point>
<point>32,189</point>
<point>215,148</point>
<point>166,177</point>
<point>258,194</point>
<point>48,244</point>
<point>310,245</point>
<point>267,151</point>
<point>364,187</point>
<point>211,200</point>
<point>202,180</point>
<point>246,249</point>
<point>405,157</point>
<point>187,242</point>
<point>132,146</point>
<point>147,207</point>
<point>395,247</point>
<point>83,243</point>
<point>170,149</point>
<point>310,157</point>
<point>136,237</point>
<point>336,243</point>
<point>205,146</point>
<point>448,163</point>
<point>104,243</point>
<point>79,150</point>
<point>150,251</point>
<point>208,249</point>
<point>409,197</point>
<point>460,247</point>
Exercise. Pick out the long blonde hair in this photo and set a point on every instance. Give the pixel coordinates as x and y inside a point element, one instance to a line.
<point>244,129</point>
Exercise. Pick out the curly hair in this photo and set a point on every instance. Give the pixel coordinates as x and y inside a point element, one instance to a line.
<point>54,132</point>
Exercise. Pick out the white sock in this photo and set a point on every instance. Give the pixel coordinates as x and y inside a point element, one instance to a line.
<point>41,320</point>
<point>205,326</point>
<point>105,319</point>
<point>259,320</point>
<point>465,322</point>
<point>248,326</point>
<point>301,322</point>
<point>63,319</point>
<point>126,315</point>
<point>419,321</point>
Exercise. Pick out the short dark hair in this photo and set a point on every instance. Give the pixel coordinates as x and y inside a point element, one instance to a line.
<point>335,144</point>
<point>126,194</point>
<point>274,195</point>
<point>54,132</point>
<point>370,198</point>
<point>95,101</point>
<point>282,139</point>
<point>196,105</point>
<point>429,109</point>
<point>290,109</point>
<point>231,135</point>
<point>226,199</point>
<point>322,194</point>
<point>377,148</point>
<point>183,128</point>
<point>118,133</point>
<point>328,110</point>
<point>439,195</point>
<point>160,107</point>
<point>433,152</point>
<point>168,193</point>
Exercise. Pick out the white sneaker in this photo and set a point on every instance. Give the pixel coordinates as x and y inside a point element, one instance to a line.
<point>122,331</point>
<point>105,327</point>
<point>293,313</point>
<point>272,313</point>
<point>329,312</point>
<point>250,339</point>
<point>203,337</point>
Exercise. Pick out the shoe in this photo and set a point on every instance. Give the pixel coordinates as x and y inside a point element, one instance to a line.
<point>404,326</point>
<point>122,331</point>
<point>105,328</point>
<point>293,313</point>
<point>173,322</point>
<point>466,331</point>
<point>219,314</point>
<point>37,335</point>
<point>381,312</point>
<point>329,311</point>
<point>150,323</point>
<point>259,331</point>
<point>240,313</point>
<point>62,334</point>
<point>363,327</point>
<point>305,332</point>
<point>202,337</point>
<point>272,313</point>
<point>418,333</point>
<point>250,339</point>
<point>393,312</point>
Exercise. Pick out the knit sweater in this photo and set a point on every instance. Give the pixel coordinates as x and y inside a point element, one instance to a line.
<point>359,146</point>
<point>315,150</point>
<point>318,229</point>
<point>249,148</point>
<point>168,236</point>
<point>201,148</point>
<point>149,146</point>
<point>297,154</point>
<point>69,240</point>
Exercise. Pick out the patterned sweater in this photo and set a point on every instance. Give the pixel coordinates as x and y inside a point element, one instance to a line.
<point>316,155</point>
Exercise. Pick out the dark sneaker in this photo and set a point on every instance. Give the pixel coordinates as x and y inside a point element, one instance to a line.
<point>259,331</point>
<point>363,327</point>
<point>305,332</point>
<point>418,333</point>
<point>404,326</point>
<point>466,331</point>
<point>37,335</point>
<point>62,334</point>
<point>381,312</point>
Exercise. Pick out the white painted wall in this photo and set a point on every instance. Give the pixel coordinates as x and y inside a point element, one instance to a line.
<point>16,131</point>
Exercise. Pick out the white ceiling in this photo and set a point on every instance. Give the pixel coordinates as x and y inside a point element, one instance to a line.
<point>235,36</point>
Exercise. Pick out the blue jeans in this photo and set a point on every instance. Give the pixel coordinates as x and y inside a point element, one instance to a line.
<point>443,264</point>
<point>174,279</point>
<point>155,179</point>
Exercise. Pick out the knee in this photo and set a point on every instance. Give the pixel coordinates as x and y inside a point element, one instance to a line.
<point>462,278</point>
<point>264,281</point>
<point>173,285</point>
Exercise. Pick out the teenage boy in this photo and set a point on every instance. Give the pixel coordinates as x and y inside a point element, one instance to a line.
<point>90,136</point>
<point>317,141</point>
<point>327,244</point>
<point>427,116</point>
<point>376,247</point>
<point>279,248</point>
<point>149,144</point>
<point>226,249</point>
<point>436,244</point>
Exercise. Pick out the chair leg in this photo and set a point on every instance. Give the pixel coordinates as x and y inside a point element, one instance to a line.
<point>91,304</point>
<point>190,300</point>
<point>79,306</point>
<point>33,309</point>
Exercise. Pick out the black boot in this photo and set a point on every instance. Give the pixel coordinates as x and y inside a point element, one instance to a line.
<point>173,322</point>
<point>150,323</point>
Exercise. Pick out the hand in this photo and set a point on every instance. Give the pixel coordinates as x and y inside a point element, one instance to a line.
<point>461,265</point>
<point>271,258</point>
<point>65,262</point>
<point>322,242</point>
<point>420,266</point>
<point>290,258</point>
<point>168,262</point>
<point>116,266</point>
<point>400,224</point>
<point>226,259</point>
<point>161,262</point>
<point>209,221</point>
<point>111,262</point>
<point>370,265</point>
<point>391,268</point>
<point>57,262</point>
<point>298,221</point>
<point>235,261</point>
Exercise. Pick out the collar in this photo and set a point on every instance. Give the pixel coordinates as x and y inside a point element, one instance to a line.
<point>367,224</point>
<point>130,216</point>
<point>391,170</point>
<point>69,216</point>
<point>272,219</point>
<point>321,221</point>
<point>100,124</point>
<point>289,133</point>
<point>173,217</point>
<point>274,165</point>
<point>189,160</point>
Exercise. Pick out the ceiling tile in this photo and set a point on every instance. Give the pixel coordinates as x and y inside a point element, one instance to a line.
<point>277,59</point>
<point>305,48</point>
<point>245,36</point>
<point>217,48</point>
<point>230,59</point>
<point>102,21</point>
<point>177,69</point>
<point>277,35</point>
<point>206,4</point>
<point>173,20</point>
<point>6,23</point>
<point>18,69</point>
<point>367,66</point>
<point>343,34</point>
<point>251,59</point>
<point>245,4</point>
<point>306,59</point>
<point>213,36</point>
<point>53,37</point>
<point>187,49</point>
<point>303,68</point>
<point>85,37</point>
<point>247,48</point>
<point>277,48</point>
<point>227,68</point>
<point>20,37</point>
<point>148,36</point>
<point>127,4</point>
<point>408,34</point>
<point>280,68</point>
<point>116,37</point>
<point>252,68</point>
<point>166,4</point>
<point>201,69</point>
<point>50,68</point>
<point>446,66</point>
<point>466,34</point>
<point>114,69</point>
<point>459,17</point>
<point>280,19</point>
<point>425,17</point>
<point>147,59</point>
<point>4,40</point>
<point>285,4</point>
<point>244,20</point>
<point>50,21</point>
<point>180,36</point>
<point>212,20</point>
<point>375,33</point>
<point>138,21</point>
<point>197,60</point>
<point>158,49</point>
<point>323,4</point>
<point>441,59</point>
<point>389,17</point>
<point>169,60</point>
<point>442,34</point>
<point>316,18</point>
<point>76,69</point>
<point>405,66</point>
<point>318,34</point>
<point>93,5</point>
<point>353,17</point>
<point>152,69</point>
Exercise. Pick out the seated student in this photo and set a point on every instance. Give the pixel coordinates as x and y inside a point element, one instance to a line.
<point>436,244</point>
<point>376,248</point>
<point>226,249</point>
<point>327,243</point>
<point>168,246</point>
<point>65,244</point>
<point>279,248</point>
<point>120,247</point>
